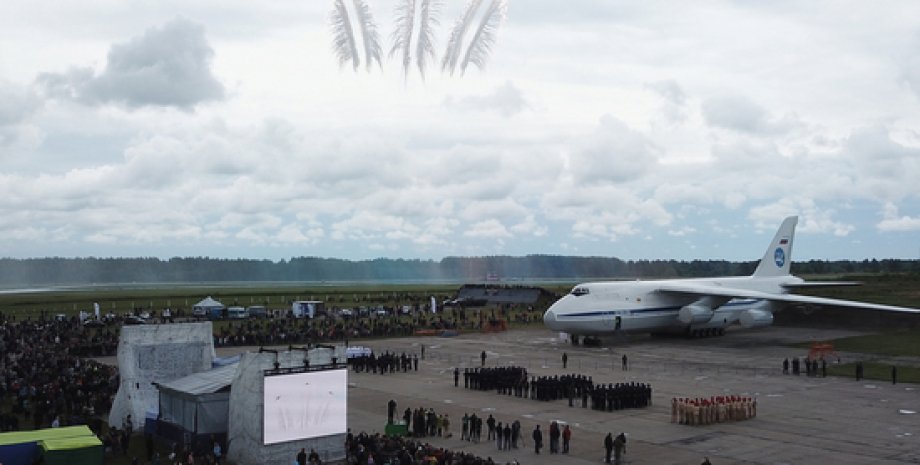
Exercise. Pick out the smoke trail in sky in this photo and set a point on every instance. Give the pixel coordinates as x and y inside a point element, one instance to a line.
<point>480,46</point>
<point>414,31</point>
<point>428,18</point>
<point>346,29</point>
<point>372,50</point>
<point>455,43</point>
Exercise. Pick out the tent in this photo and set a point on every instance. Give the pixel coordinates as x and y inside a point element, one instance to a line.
<point>24,447</point>
<point>208,307</point>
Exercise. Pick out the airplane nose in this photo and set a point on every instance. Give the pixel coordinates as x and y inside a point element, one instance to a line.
<point>549,319</point>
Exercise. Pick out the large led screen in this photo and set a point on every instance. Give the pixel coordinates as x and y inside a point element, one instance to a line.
<point>305,405</point>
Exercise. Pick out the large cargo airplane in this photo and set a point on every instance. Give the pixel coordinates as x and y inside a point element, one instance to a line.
<point>698,306</point>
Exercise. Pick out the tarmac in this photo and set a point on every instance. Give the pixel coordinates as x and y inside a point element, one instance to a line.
<point>800,419</point>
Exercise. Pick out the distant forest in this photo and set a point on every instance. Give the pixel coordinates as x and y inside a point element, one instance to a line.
<point>76,271</point>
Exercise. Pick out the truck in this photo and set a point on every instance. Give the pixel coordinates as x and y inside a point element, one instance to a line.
<point>307,308</point>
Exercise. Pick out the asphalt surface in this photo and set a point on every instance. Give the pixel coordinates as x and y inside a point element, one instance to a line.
<point>801,420</point>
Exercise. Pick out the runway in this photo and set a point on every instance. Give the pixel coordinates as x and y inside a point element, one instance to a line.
<point>801,420</point>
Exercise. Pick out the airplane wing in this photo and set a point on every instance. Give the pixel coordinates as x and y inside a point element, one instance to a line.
<point>812,284</point>
<point>703,290</point>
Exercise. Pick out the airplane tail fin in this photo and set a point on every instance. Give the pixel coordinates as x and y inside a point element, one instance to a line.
<point>778,257</point>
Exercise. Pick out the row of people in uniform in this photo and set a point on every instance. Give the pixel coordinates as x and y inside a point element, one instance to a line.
<point>620,396</point>
<point>716,409</point>
<point>384,363</point>
<point>505,380</point>
<point>513,381</point>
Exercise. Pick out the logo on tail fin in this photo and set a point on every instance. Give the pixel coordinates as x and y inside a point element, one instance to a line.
<point>779,257</point>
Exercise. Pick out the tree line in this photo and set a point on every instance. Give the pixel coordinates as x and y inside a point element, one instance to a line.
<point>90,270</point>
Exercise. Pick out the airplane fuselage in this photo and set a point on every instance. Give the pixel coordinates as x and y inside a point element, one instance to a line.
<point>638,306</point>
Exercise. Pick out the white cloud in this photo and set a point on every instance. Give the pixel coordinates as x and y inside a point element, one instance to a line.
<point>674,108</point>
<point>893,222</point>
<point>739,113</point>
<point>734,113</point>
<point>488,229</point>
<point>613,153</point>
<point>167,66</point>
<point>507,100</point>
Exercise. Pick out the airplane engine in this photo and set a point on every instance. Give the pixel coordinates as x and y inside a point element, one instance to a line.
<point>755,318</point>
<point>694,314</point>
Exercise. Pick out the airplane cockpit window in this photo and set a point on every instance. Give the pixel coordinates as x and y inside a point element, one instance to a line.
<point>578,291</point>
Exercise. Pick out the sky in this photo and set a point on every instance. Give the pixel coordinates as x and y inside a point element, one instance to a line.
<point>639,130</point>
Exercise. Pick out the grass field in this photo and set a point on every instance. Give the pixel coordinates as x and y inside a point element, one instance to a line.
<point>876,371</point>
<point>158,297</point>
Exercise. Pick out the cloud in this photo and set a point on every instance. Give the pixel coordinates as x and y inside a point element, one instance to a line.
<point>488,229</point>
<point>910,68</point>
<point>813,219</point>
<point>674,108</point>
<point>613,153</point>
<point>741,114</point>
<point>893,222</point>
<point>167,66</point>
<point>18,103</point>
<point>507,100</point>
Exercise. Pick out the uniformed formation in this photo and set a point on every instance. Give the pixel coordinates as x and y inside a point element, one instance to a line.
<point>514,381</point>
<point>620,396</point>
<point>384,363</point>
<point>716,409</point>
<point>505,380</point>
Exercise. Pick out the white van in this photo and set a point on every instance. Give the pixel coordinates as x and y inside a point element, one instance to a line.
<point>237,313</point>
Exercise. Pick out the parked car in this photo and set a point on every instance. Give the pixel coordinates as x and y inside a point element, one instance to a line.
<point>346,313</point>
<point>93,323</point>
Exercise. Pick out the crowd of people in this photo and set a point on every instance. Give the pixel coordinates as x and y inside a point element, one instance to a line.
<point>715,409</point>
<point>44,381</point>
<point>384,363</point>
<point>377,449</point>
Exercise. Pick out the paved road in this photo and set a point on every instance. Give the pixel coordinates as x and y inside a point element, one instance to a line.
<point>801,420</point>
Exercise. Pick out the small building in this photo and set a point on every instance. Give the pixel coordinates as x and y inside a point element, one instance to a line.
<point>195,407</point>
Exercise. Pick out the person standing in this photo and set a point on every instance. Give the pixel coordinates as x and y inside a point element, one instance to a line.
<point>894,374</point>
<point>456,376</point>
<point>500,436</point>
<point>565,360</point>
<point>625,363</point>
<point>786,366</point>
<point>608,447</point>
<point>216,450</point>
<point>619,448</point>
<point>391,410</point>
<point>554,438</point>
<point>566,437</point>
<point>482,356</point>
<point>537,439</point>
